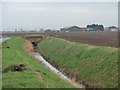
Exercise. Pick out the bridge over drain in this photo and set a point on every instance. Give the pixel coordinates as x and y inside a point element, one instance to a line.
<point>34,39</point>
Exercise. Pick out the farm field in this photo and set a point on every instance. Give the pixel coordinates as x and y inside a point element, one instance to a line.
<point>59,45</point>
<point>94,66</point>
<point>109,39</point>
<point>35,75</point>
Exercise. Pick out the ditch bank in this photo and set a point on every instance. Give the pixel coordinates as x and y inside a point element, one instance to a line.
<point>92,66</point>
<point>56,71</point>
<point>34,42</point>
<point>33,73</point>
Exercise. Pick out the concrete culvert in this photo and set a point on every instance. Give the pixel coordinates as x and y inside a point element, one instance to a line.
<point>34,44</point>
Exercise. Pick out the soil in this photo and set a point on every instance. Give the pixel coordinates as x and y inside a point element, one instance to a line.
<point>28,47</point>
<point>109,39</point>
<point>13,68</point>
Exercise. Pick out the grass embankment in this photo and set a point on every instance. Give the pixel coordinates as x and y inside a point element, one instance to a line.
<point>96,66</point>
<point>0,66</point>
<point>35,76</point>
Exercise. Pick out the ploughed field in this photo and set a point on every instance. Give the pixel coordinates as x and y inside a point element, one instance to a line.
<point>109,39</point>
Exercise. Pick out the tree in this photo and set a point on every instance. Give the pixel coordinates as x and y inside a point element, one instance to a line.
<point>96,27</point>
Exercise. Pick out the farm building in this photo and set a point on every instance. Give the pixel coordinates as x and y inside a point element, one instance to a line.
<point>73,29</point>
<point>112,28</point>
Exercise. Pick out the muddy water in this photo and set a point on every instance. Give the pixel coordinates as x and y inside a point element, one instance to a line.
<point>42,60</point>
<point>3,39</point>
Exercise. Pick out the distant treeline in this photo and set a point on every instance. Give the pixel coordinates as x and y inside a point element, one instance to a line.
<point>93,27</point>
<point>96,27</point>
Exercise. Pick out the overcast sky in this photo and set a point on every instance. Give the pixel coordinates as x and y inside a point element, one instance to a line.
<point>56,15</point>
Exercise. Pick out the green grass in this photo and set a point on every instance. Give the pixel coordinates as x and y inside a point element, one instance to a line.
<point>30,78</point>
<point>0,66</point>
<point>94,65</point>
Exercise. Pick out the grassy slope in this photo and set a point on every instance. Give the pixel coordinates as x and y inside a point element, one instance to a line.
<point>93,64</point>
<point>0,65</point>
<point>30,78</point>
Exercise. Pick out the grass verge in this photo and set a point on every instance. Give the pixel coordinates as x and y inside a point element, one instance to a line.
<point>93,65</point>
<point>35,75</point>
